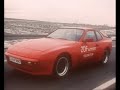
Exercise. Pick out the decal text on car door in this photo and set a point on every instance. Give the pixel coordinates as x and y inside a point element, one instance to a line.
<point>88,55</point>
<point>86,49</point>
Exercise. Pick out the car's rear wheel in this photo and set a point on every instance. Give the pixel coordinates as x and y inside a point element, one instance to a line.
<point>62,67</point>
<point>105,57</point>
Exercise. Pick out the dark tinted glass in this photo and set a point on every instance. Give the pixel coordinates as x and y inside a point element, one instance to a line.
<point>90,35</point>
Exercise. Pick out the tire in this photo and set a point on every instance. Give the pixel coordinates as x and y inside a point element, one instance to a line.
<point>61,67</point>
<point>105,57</point>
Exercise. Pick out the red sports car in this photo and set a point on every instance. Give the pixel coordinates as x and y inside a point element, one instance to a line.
<point>62,50</point>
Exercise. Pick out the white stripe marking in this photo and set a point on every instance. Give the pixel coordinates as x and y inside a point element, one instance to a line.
<point>106,85</point>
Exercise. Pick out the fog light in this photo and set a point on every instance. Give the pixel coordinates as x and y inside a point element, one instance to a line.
<point>35,63</point>
<point>29,62</point>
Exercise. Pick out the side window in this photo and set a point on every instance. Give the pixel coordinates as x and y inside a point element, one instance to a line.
<point>99,37</point>
<point>90,35</point>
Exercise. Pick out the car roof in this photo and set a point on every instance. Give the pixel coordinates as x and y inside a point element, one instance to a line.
<point>84,28</point>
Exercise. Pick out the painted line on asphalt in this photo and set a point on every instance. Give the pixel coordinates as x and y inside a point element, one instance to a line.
<point>106,84</point>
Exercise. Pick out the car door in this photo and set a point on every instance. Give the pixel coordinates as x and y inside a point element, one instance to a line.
<point>88,46</point>
<point>99,46</point>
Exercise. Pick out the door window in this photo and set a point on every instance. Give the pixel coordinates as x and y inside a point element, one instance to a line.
<point>90,35</point>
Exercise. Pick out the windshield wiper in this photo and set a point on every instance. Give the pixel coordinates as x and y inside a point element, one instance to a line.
<point>62,38</point>
<point>48,37</point>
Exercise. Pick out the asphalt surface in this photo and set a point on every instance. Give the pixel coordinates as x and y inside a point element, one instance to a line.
<point>86,77</point>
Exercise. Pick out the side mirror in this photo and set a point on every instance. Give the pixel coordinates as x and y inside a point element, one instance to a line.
<point>89,40</point>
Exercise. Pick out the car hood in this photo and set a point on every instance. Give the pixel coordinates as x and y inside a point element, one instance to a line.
<point>42,44</point>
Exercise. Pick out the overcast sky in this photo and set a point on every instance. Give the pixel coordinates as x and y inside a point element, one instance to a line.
<point>73,11</point>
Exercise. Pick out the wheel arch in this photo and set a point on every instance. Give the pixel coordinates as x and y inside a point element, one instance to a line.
<point>107,49</point>
<point>68,55</point>
<point>60,55</point>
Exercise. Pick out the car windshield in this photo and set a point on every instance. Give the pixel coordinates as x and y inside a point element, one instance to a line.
<point>67,34</point>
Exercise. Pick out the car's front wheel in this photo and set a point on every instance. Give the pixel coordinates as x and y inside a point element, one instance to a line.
<point>62,67</point>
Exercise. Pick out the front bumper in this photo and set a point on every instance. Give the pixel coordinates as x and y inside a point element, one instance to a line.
<point>35,67</point>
